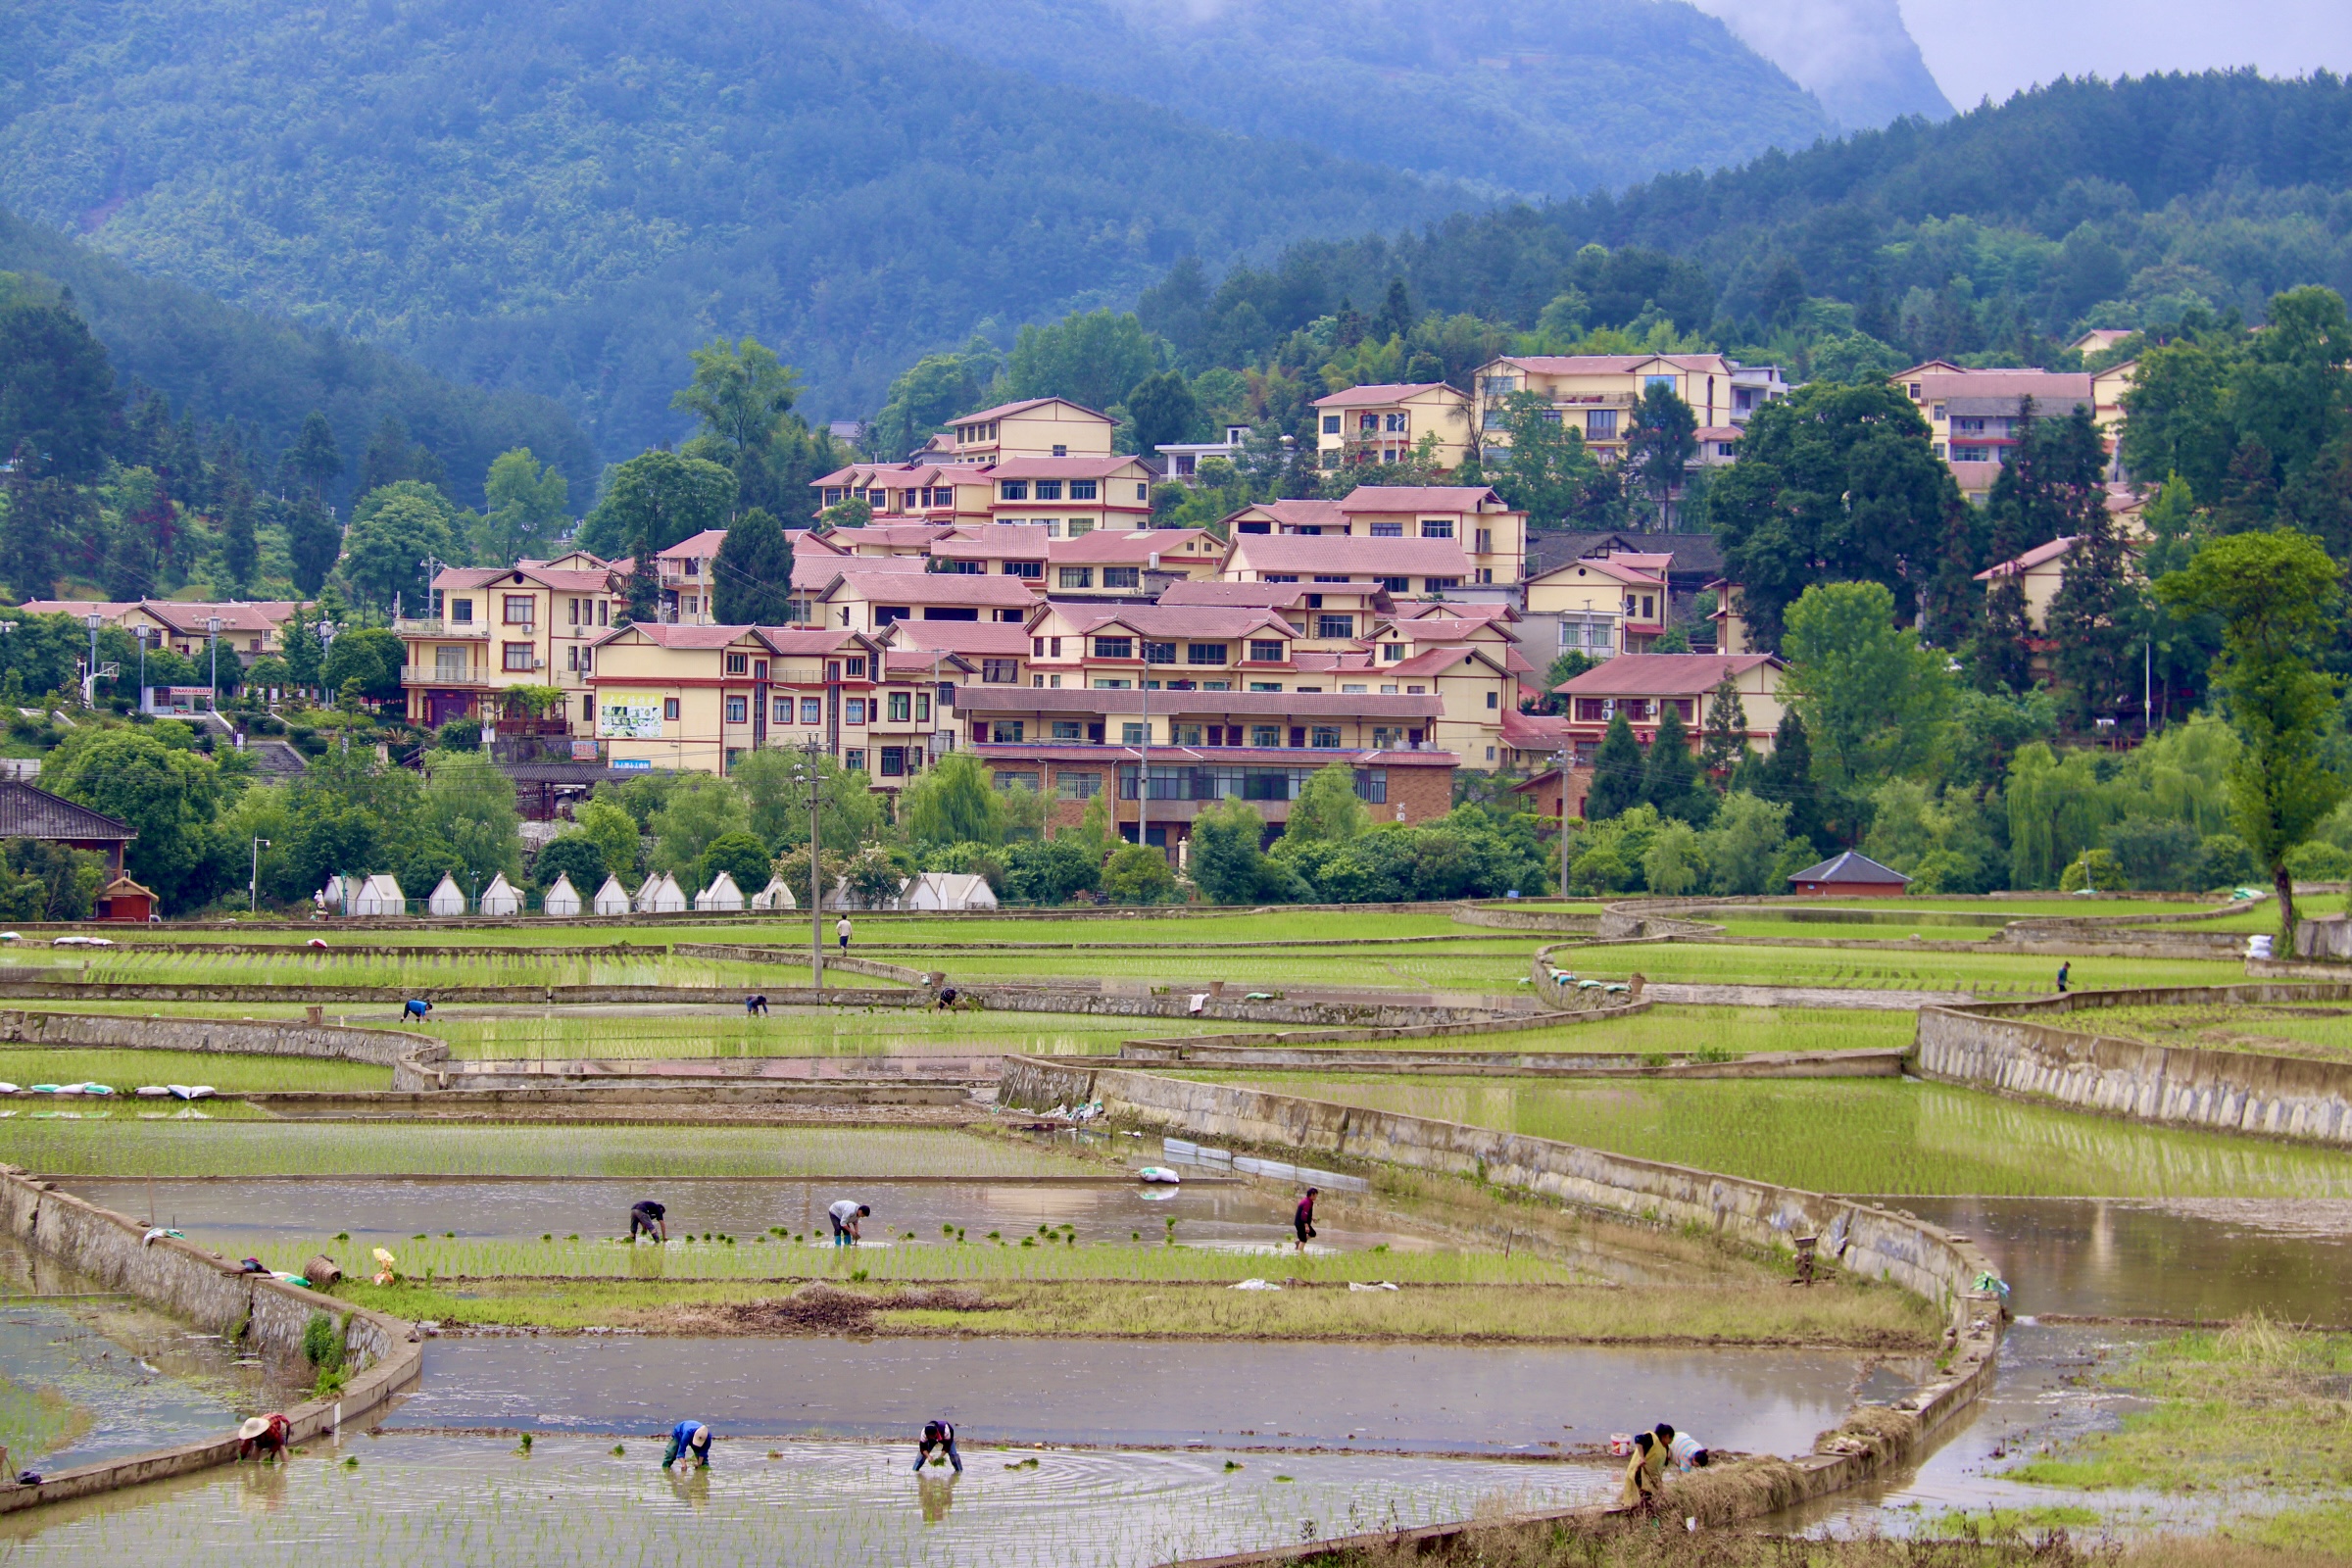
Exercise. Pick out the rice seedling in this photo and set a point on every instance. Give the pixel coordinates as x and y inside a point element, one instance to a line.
<point>125,1070</point>
<point>267,1149</point>
<point>2324,1034</point>
<point>1882,970</point>
<point>1857,1136</point>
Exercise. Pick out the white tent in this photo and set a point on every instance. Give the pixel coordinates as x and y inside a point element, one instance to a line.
<point>610,899</point>
<point>642,903</point>
<point>380,895</point>
<point>665,897</point>
<point>446,898</point>
<point>775,896</point>
<point>947,889</point>
<point>500,897</point>
<point>563,901</point>
<point>338,892</point>
<point>721,895</point>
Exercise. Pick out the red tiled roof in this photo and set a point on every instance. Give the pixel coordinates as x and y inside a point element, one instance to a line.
<point>971,637</point>
<point>993,541</point>
<point>1061,467</point>
<point>664,634</point>
<point>701,547</point>
<point>567,579</point>
<point>1531,731</point>
<point>1048,752</point>
<point>977,589</point>
<point>1661,674</point>
<point>1006,410</point>
<point>1382,499</point>
<point>189,618</point>
<point>1308,554</point>
<point>790,640</point>
<point>1171,620</point>
<point>921,660</point>
<point>2053,387</point>
<point>818,572</point>
<point>1263,705</point>
<point>1615,363</point>
<point>1718,432</point>
<point>1383,392</point>
<point>1119,548</point>
<point>1614,570</point>
<point>1254,595</point>
<point>2029,559</point>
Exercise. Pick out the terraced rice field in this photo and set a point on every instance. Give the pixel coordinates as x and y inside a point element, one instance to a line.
<point>1479,966</point>
<point>125,1070</point>
<point>1855,1136</point>
<point>423,971</point>
<point>1985,973</point>
<point>2320,1033</point>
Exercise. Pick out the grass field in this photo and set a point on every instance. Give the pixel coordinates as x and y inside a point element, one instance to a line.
<point>1857,1136</point>
<point>344,1149</point>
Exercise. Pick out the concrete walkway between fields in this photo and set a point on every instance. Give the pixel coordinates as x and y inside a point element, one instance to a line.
<point>1856,997</point>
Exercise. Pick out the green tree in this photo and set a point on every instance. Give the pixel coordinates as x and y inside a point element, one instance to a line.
<point>394,530</point>
<point>469,805</point>
<point>741,856</point>
<point>640,585</point>
<point>929,393</point>
<point>1228,860</point>
<point>1748,847</point>
<point>740,392</point>
<point>2277,597</point>
<point>1328,811</point>
<point>1163,408</point>
<point>1660,447</point>
<point>1670,780</point>
<point>1091,358</point>
<point>1138,873</point>
<point>701,809</point>
<point>580,857</point>
<point>776,799</point>
<point>1675,863</point>
<point>1548,472</point>
<point>751,575</point>
<point>2097,622</point>
<point>1048,874</point>
<point>168,794</point>
<point>313,542</point>
<point>1785,778</point>
<point>240,549</point>
<point>1723,749</point>
<point>527,504</point>
<point>305,655</point>
<point>313,461</point>
<point>1871,696</point>
<point>955,803</point>
<point>616,835</point>
<point>1618,768</point>
<point>56,389</point>
<point>369,656</point>
<point>661,498</point>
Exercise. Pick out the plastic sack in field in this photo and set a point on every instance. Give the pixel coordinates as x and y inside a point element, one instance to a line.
<point>1159,1174</point>
<point>1258,1285</point>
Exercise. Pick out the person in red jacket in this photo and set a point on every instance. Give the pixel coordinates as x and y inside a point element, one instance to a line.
<point>1304,1221</point>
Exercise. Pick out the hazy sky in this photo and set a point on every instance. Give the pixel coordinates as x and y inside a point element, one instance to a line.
<point>1993,47</point>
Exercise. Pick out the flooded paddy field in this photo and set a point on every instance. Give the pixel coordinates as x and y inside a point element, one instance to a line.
<point>447,1502</point>
<point>1857,1136</point>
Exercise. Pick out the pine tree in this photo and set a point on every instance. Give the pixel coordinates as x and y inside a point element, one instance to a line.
<point>305,654</point>
<point>313,460</point>
<point>1786,776</point>
<point>1617,772</point>
<point>314,542</point>
<point>751,575</point>
<point>1725,733</point>
<point>1670,781</point>
<point>241,551</point>
<point>2095,623</point>
<point>1950,606</point>
<point>641,590</point>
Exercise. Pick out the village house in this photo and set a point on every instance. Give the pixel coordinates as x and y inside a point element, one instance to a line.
<point>1432,567</point>
<point>1643,686</point>
<point>1491,536</point>
<point>1597,393</point>
<point>1385,424</point>
<point>1975,417</point>
<point>249,629</point>
<point>494,628</point>
<point>1173,647</point>
<point>1597,606</point>
<point>863,597</point>
<point>1326,617</point>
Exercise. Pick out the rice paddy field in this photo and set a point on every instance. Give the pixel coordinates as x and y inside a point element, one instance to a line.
<point>1861,1136</point>
<point>425,971</point>
<point>231,1148</point>
<point>125,1070</point>
<point>1987,974</point>
<point>2316,1032</point>
<point>1484,966</point>
<point>793,1032</point>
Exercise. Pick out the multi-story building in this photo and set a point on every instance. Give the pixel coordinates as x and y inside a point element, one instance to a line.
<point>684,572</point>
<point>1597,393</point>
<point>861,597</point>
<point>1385,424</point>
<point>1163,755</point>
<point>1491,534</point>
<point>996,651</point>
<point>1184,458</point>
<point>1136,563</point>
<point>1469,663</point>
<point>1034,427</point>
<point>1144,646</point>
<point>1975,417</point>
<point>1077,494</point>
<point>1328,617</point>
<point>494,628</point>
<point>1641,686</point>
<point>1599,606</point>
<point>695,699</point>
<point>1399,566</point>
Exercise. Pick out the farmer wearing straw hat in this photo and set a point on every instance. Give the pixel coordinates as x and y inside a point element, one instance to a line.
<point>264,1437</point>
<point>689,1440</point>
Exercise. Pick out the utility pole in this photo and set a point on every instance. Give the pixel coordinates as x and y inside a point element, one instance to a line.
<point>1143,768</point>
<point>212,632</point>
<point>1560,759</point>
<point>817,875</point>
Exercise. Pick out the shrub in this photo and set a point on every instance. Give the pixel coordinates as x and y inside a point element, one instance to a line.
<point>2320,861</point>
<point>739,855</point>
<point>2094,870</point>
<point>322,1342</point>
<point>1138,873</point>
<point>460,735</point>
<point>577,856</point>
<point>2155,852</point>
<point>2225,860</point>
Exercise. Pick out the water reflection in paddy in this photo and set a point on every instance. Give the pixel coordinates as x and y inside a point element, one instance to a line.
<point>449,1501</point>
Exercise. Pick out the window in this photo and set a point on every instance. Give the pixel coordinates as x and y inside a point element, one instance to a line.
<point>1122,576</point>
<point>922,708</point>
<point>1012,489</point>
<point>1483,542</point>
<point>1666,381</point>
<point>1390,653</point>
<point>1326,736</point>
<point>669,708</point>
<point>1080,526</point>
<point>448,664</point>
<point>959,569</point>
<point>588,709</point>
<point>739,664</point>
<point>604,611</point>
<point>1017,781</point>
<point>1265,650</point>
<point>1591,710</point>
<point>780,710</point>
<point>1439,585</point>
<point>1436,527</point>
<point>1961,453</point>
<point>1369,422</point>
<point>1600,425</point>
<point>518,609</point>
<point>1080,490</point>
<point>857,668</point>
<point>1493,419</point>
<point>1496,386</point>
<point>1322,576</point>
<point>1159,653</point>
<point>1025,569</point>
<point>1007,734</point>
<point>1353,686</point>
<point>812,710</point>
<point>1204,653</point>
<point>1103,685</point>
<point>1394,422</point>
<point>1077,786</point>
<point>1001,671</point>
<point>1078,577</point>
<point>1387,530</point>
<point>1265,735</point>
<point>571,659</point>
<point>518,656</point>
<point>1335,625</point>
<point>1049,489</point>
<point>1185,734</point>
<point>894,761</point>
<point>738,710</point>
<point>854,759</point>
<point>1396,585</point>
<point>1265,685</point>
<point>1143,492</point>
<point>1135,735</point>
<point>1491,701</point>
<point>1331,424</point>
<point>1069,729</point>
<point>900,702</point>
<point>853,710</point>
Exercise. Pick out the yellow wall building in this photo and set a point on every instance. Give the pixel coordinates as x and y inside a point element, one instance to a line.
<point>1386,423</point>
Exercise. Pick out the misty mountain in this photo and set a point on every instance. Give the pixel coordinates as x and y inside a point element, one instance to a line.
<point>1855,55</point>
<point>563,198</point>
<point>1533,97</point>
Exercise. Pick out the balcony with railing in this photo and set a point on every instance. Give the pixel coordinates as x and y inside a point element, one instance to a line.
<point>435,626</point>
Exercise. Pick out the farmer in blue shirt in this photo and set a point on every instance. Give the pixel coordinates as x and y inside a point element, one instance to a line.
<point>938,1434</point>
<point>689,1440</point>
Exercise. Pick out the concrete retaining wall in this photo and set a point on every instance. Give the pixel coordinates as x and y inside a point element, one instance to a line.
<point>382,1048</point>
<point>2011,1048</point>
<point>1866,1240</point>
<point>873,968</point>
<point>1530,917</point>
<point>1510,1064</point>
<point>1176,1001</point>
<point>381,1354</point>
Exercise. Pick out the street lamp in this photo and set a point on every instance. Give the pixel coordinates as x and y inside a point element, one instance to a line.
<point>1560,759</point>
<point>806,771</point>
<point>89,676</point>
<point>211,629</point>
<point>253,886</point>
<point>140,632</point>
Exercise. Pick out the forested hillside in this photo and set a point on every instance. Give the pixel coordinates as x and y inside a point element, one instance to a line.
<point>1506,94</point>
<point>565,197</point>
<point>218,365</point>
<point>2078,204</point>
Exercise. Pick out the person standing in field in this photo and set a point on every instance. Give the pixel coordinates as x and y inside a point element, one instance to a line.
<point>844,1216</point>
<point>841,929</point>
<point>1303,1220</point>
<point>2064,970</point>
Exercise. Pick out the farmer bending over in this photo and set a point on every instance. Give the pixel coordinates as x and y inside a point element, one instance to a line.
<point>650,1218</point>
<point>264,1437</point>
<point>689,1440</point>
<point>938,1434</point>
<point>416,1007</point>
<point>1644,1470</point>
<point>754,1006</point>
<point>1682,1448</point>
<point>844,1216</point>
